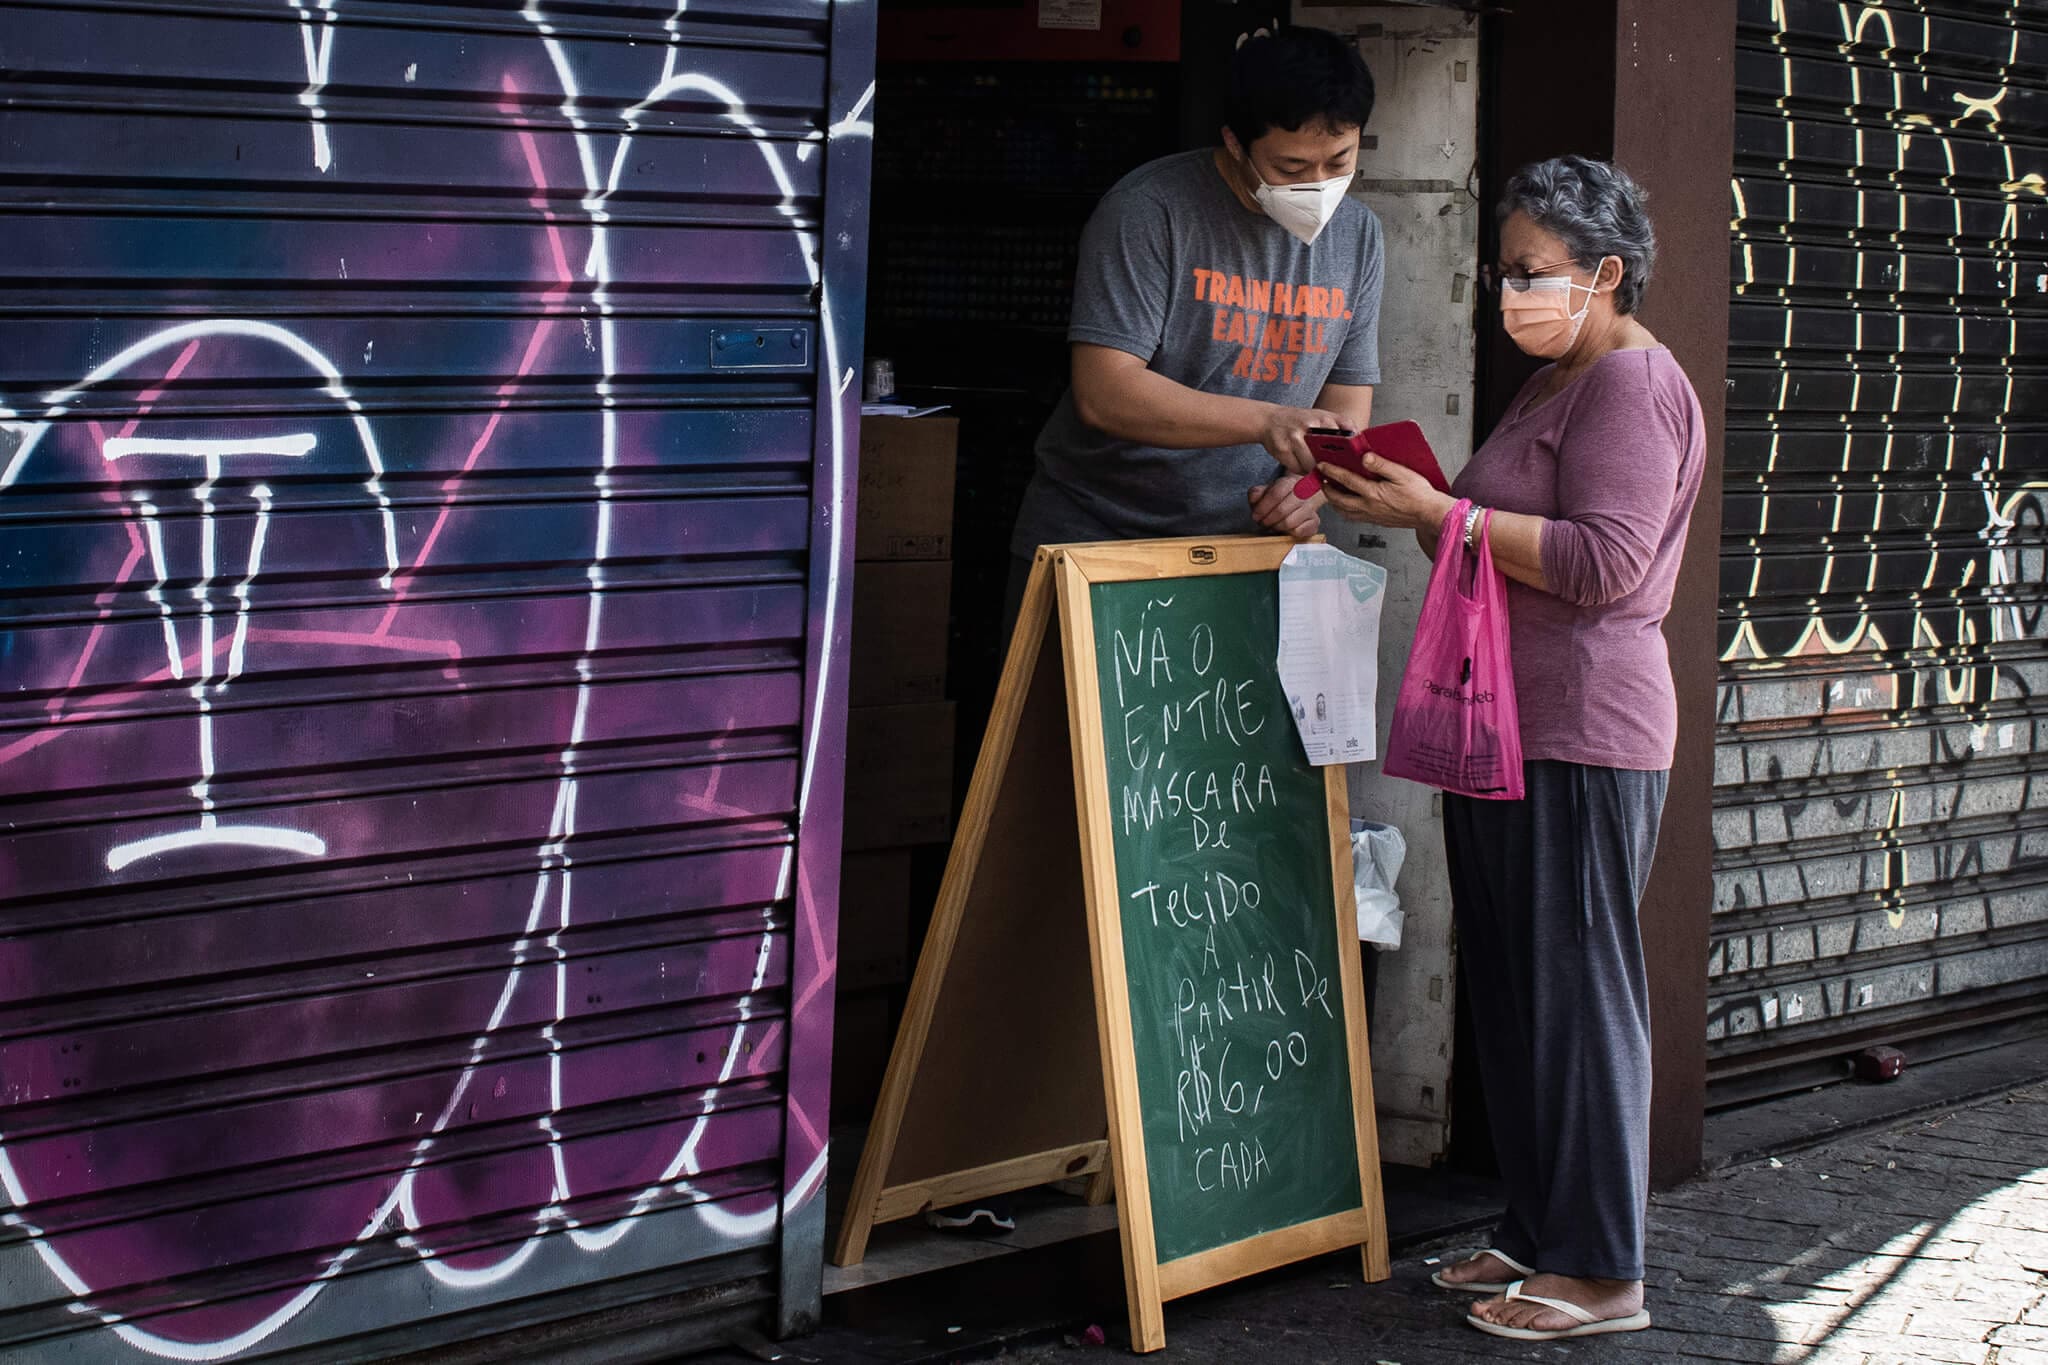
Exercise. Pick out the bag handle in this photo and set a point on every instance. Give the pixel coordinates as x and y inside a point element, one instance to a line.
<point>1451,533</point>
<point>1453,538</point>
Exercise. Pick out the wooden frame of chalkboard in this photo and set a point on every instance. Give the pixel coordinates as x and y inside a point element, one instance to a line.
<point>992,1088</point>
<point>1014,1067</point>
<point>1151,1278</point>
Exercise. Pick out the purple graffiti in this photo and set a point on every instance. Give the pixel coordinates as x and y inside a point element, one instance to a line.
<point>289,600</point>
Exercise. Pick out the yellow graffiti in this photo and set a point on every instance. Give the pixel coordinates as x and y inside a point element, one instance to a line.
<point>1818,639</point>
<point>1745,647</point>
<point>2031,183</point>
<point>1894,820</point>
<point>2026,491</point>
<point>2007,566</point>
<point>1872,9</point>
<point>1988,108</point>
<point>1815,641</point>
<point>1952,686</point>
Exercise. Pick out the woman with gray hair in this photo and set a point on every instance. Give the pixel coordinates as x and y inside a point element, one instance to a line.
<point>1590,479</point>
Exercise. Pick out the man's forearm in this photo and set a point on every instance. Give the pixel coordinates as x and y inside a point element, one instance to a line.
<point>1152,410</point>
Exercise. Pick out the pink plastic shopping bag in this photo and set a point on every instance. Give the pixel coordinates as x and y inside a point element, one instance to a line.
<point>1455,724</point>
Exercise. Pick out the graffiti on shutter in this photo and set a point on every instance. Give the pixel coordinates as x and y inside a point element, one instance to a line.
<point>1881,823</point>
<point>403,741</point>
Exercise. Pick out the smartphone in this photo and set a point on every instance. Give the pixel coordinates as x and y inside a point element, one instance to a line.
<point>1401,442</point>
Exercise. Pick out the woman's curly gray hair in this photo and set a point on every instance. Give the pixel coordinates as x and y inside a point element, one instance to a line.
<point>1596,209</point>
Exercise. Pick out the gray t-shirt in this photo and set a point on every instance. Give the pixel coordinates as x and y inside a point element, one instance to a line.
<point>1175,270</point>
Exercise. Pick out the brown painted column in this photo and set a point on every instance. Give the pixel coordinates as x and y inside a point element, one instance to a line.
<point>1650,84</point>
<point>1674,128</point>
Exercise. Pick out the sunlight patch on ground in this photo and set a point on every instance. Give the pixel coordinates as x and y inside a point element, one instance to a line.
<point>1875,1292</point>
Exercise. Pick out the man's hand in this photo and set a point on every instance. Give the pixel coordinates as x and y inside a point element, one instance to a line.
<point>1286,435</point>
<point>1277,509</point>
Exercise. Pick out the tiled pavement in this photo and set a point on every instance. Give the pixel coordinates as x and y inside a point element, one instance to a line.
<point>1925,1243</point>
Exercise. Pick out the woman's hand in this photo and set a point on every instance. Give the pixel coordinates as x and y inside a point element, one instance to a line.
<point>1387,495</point>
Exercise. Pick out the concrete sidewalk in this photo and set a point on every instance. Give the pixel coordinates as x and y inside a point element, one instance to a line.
<point>1924,1243</point>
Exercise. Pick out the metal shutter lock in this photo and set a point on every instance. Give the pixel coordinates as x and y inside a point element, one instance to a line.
<point>761,348</point>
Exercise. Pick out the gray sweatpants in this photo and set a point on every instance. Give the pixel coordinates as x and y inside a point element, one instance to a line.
<point>1545,891</point>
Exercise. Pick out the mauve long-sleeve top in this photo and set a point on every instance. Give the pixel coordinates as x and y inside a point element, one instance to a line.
<point>1613,462</point>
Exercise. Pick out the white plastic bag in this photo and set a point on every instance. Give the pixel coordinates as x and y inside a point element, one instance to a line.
<point>1330,651</point>
<point>1376,855</point>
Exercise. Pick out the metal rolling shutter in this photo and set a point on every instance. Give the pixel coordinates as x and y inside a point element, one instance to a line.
<point>422,460</point>
<point>1882,775</point>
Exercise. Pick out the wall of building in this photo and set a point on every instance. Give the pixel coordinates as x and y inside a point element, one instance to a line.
<point>1419,176</point>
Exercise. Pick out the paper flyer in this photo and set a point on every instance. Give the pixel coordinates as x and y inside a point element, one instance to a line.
<point>1081,14</point>
<point>1329,658</point>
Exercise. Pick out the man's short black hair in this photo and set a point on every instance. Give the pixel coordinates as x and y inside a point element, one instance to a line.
<point>1294,78</point>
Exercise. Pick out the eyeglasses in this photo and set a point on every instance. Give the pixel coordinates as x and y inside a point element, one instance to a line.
<point>1494,278</point>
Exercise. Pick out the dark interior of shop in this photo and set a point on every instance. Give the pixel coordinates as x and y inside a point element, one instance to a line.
<point>995,139</point>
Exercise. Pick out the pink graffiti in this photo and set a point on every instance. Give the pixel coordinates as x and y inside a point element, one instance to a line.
<point>473,1218</point>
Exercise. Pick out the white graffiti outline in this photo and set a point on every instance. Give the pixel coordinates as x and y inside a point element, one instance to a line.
<point>555,859</point>
<point>56,405</point>
<point>319,55</point>
<point>210,833</point>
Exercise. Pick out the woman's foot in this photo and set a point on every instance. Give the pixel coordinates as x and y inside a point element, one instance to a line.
<point>1486,1268</point>
<point>1606,1300</point>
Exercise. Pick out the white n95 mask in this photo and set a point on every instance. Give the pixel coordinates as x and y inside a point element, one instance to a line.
<point>1304,210</point>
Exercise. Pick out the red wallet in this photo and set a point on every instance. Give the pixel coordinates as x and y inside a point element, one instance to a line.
<point>1401,442</point>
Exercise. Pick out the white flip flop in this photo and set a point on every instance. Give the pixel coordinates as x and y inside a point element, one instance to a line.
<point>1588,1325</point>
<point>1481,1286</point>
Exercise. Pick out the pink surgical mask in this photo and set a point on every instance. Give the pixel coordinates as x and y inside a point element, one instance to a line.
<point>1539,317</point>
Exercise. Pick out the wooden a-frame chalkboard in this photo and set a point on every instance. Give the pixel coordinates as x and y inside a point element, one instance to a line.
<point>1145,804</point>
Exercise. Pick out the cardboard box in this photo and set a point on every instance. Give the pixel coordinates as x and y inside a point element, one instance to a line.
<point>900,631</point>
<point>906,488</point>
<point>899,775</point>
<point>874,920</point>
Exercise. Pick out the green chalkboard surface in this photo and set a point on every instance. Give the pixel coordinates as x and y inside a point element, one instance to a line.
<point>1221,834</point>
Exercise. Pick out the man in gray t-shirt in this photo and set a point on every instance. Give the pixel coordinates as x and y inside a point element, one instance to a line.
<point>1227,301</point>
